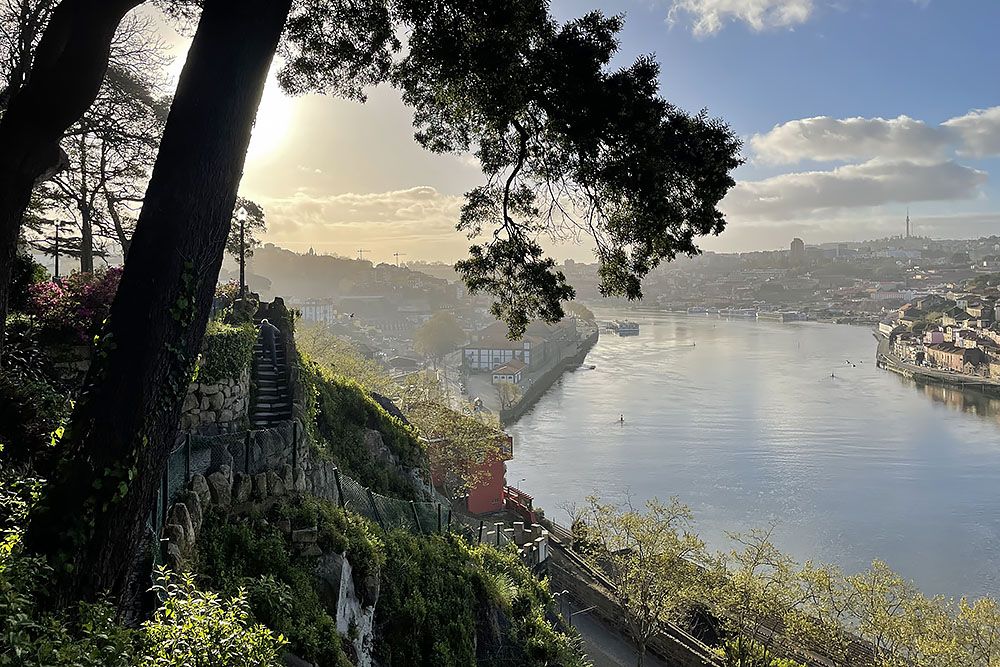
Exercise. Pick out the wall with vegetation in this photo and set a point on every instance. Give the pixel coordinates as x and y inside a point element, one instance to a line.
<point>218,399</point>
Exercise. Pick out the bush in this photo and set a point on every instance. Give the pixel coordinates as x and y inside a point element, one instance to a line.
<point>73,310</point>
<point>31,410</point>
<point>735,655</point>
<point>199,629</point>
<point>437,589</point>
<point>340,411</point>
<point>25,272</point>
<point>227,351</point>
<point>282,589</point>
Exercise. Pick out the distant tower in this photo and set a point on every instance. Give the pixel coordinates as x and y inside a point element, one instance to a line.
<point>797,251</point>
<point>907,222</point>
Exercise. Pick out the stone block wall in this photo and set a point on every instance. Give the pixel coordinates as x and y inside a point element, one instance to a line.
<point>217,407</point>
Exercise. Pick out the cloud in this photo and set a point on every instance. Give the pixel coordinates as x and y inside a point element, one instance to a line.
<point>979,132</point>
<point>825,139</point>
<point>414,213</point>
<point>708,16</point>
<point>872,183</point>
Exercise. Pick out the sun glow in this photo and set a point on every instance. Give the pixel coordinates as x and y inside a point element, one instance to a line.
<point>274,117</point>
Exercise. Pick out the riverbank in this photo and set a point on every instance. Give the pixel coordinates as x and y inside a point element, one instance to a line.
<point>542,384</point>
<point>972,383</point>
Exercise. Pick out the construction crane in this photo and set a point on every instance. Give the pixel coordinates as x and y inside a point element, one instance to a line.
<point>397,255</point>
<point>361,253</point>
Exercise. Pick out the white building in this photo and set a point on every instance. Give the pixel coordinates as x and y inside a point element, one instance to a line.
<point>510,372</point>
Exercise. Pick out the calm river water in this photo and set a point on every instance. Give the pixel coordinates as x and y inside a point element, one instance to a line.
<point>748,426</point>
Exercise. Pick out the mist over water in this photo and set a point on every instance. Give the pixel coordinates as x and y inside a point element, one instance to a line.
<point>747,426</point>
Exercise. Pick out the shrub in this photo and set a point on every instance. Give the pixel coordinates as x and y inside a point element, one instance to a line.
<point>227,351</point>
<point>200,629</point>
<point>73,309</point>
<point>436,589</point>
<point>281,588</point>
<point>31,410</point>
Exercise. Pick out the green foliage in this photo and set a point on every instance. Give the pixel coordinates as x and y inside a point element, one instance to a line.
<point>191,629</point>
<point>438,336</point>
<point>341,411</point>
<point>434,591</point>
<point>31,410</point>
<point>24,273</point>
<point>200,629</point>
<point>227,351</point>
<point>282,589</point>
<point>752,655</point>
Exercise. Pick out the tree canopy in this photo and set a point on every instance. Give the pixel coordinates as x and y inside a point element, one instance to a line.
<point>438,336</point>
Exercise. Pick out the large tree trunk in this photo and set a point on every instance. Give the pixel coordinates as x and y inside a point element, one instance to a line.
<point>69,67</point>
<point>125,424</point>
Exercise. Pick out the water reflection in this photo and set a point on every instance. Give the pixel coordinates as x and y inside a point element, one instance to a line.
<point>964,400</point>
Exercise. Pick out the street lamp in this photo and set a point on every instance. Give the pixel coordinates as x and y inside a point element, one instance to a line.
<point>242,215</point>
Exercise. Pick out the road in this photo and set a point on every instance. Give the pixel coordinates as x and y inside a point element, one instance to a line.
<point>606,648</point>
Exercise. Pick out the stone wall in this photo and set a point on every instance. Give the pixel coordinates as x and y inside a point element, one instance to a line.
<point>217,407</point>
<point>245,495</point>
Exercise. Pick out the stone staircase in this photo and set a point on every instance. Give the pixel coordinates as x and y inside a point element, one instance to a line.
<point>273,400</point>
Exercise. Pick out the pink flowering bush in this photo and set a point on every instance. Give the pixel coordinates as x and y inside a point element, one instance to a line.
<point>74,308</point>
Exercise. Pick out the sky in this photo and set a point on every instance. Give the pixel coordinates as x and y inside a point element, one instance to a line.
<point>851,112</point>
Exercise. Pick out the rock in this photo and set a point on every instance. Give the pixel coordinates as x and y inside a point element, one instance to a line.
<point>192,501</point>
<point>227,468</point>
<point>216,400</point>
<point>275,485</point>
<point>226,416</point>
<point>242,486</point>
<point>260,486</point>
<point>299,484</point>
<point>190,402</point>
<point>221,491</point>
<point>207,416</point>
<point>311,551</point>
<point>287,476</point>
<point>200,486</point>
<point>305,536</point>
<point>174,559</point>
<point>284,525</point>
<point>205,403</point>
<point>180,516</point>
<point>210,389</point>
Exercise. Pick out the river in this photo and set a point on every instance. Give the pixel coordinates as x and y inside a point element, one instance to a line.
<point>743,422</point>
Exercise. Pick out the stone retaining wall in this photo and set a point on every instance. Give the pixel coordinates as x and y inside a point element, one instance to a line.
<point>217,407</point>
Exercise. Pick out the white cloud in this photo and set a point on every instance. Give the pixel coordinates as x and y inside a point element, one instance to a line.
<point>873,183</point>
<point>708,16</point>
<point>826,139</point>
<point>415,213</point>
<point>979,132</point>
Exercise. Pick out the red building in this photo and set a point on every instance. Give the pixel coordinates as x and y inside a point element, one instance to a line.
<point>487,495</point>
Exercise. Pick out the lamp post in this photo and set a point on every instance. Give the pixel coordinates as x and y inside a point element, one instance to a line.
<point>241,215</point>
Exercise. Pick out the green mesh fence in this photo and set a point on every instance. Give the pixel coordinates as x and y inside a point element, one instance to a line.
<point>257,451</point>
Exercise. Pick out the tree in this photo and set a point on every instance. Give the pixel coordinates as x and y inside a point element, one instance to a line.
<point>438,336</point>
<point>508,393</point>
<point>253,226</point>
<point>123,426</point>
<point>460,447</point>
<point>110,150</point>
<point>535,98</point>
<point>760,589</point>
<point>21,25</point>
<point>67,65</point>
<point>652,559</point>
